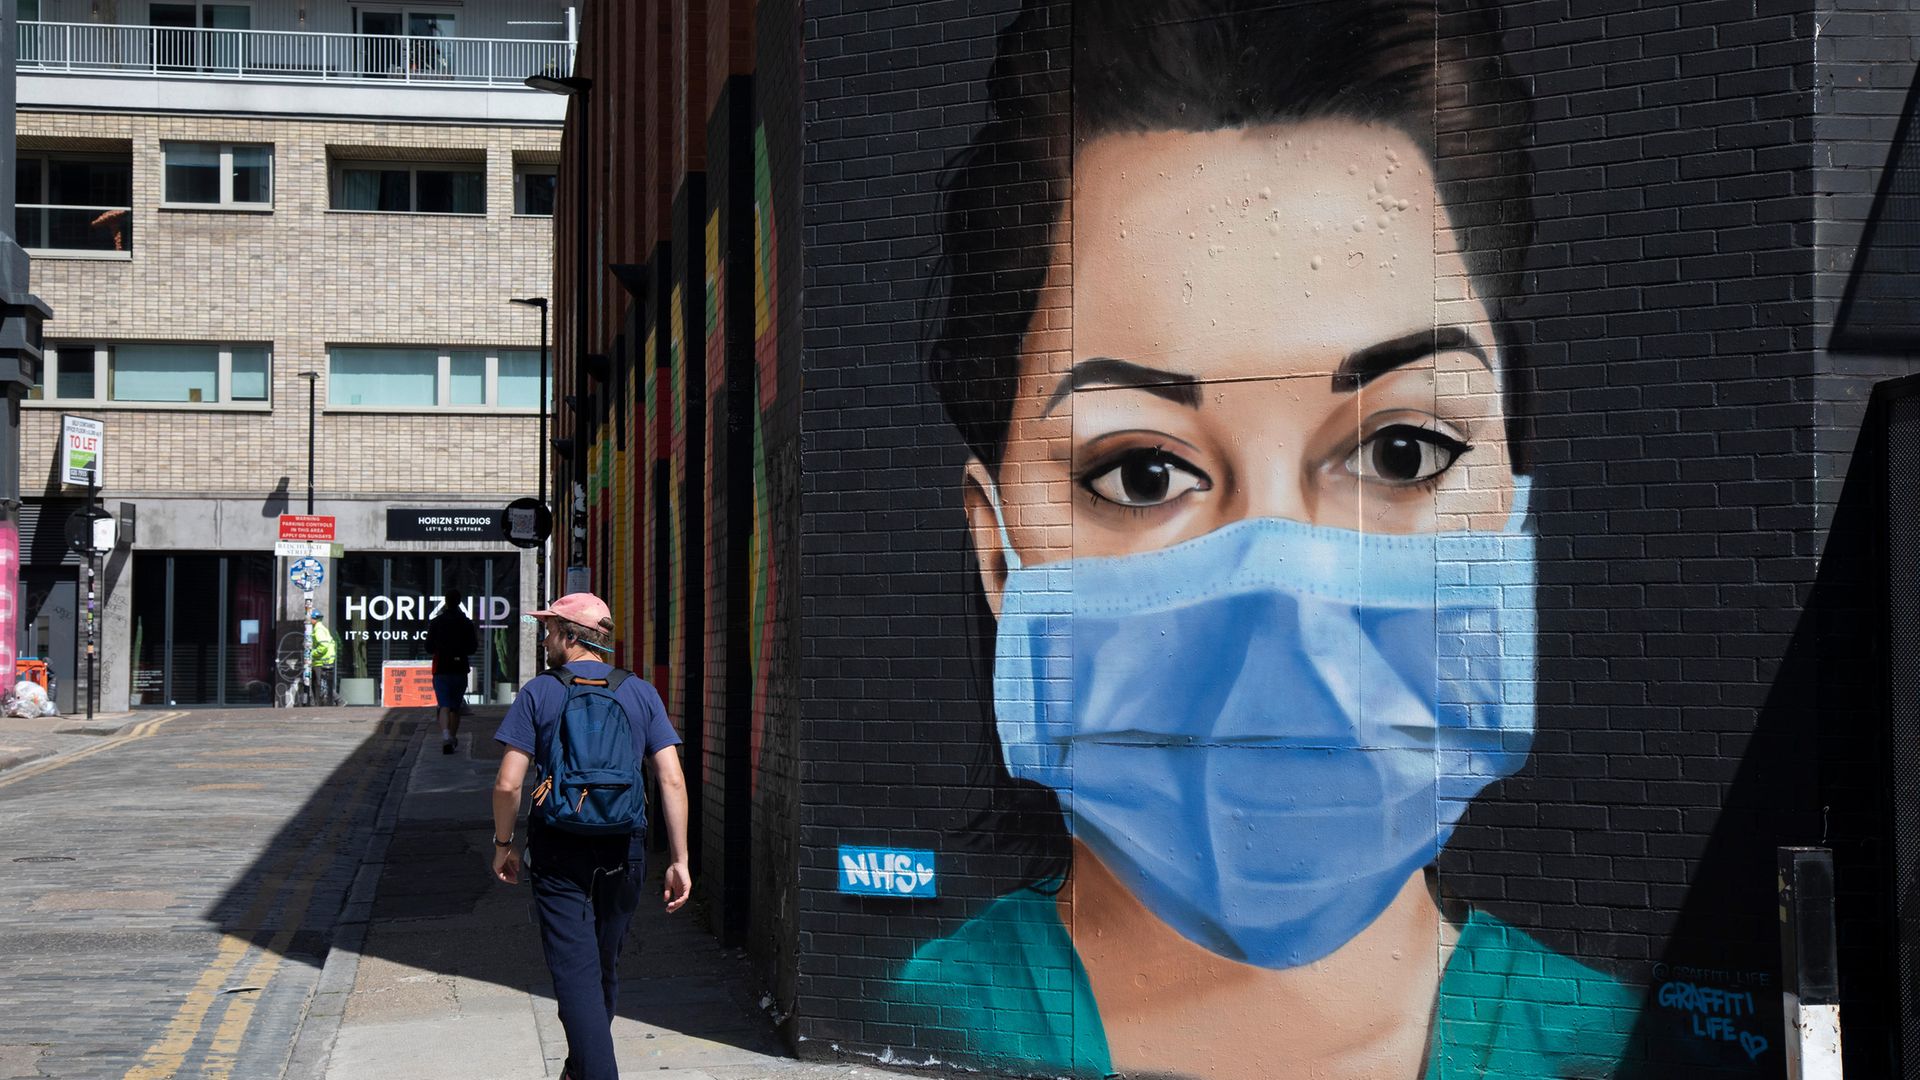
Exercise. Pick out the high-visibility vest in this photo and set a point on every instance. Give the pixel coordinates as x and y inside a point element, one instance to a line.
<point>322,645</point>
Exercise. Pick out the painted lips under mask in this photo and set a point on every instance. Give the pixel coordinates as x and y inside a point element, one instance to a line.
<point>1265,731</point>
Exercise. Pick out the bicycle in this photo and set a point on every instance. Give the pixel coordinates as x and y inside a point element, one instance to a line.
<point>290,687</point>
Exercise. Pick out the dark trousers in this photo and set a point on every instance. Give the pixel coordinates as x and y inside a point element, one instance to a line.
<point>585,890</point>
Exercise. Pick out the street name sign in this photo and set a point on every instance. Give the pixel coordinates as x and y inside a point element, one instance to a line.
<point>300,549</point>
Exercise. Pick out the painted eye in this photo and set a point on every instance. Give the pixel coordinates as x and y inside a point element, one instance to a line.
<point>1405,454</point>
<point>1145,478</point>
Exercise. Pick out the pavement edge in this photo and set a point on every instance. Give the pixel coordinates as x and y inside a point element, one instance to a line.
<point>326,1009</point>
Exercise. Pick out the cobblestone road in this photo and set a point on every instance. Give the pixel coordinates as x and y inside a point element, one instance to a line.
<point>169,892</point>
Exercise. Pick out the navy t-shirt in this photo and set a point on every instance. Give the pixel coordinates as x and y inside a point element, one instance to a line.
<point>536,709</point>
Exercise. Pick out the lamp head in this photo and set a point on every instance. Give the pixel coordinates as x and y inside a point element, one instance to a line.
<point>564,85</point>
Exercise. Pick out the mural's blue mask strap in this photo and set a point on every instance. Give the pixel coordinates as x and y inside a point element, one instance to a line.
<point>1267,730</point>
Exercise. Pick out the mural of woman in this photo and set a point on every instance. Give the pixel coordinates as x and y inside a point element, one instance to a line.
<point>1252,539</point>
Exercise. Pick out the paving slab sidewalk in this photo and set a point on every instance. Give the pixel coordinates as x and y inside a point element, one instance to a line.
<point>25,739</point>
<point>436,971</point>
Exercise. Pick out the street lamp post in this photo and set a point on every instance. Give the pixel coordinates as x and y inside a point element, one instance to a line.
<point>577,88</point>
<point>313,381</point>
<point>306,605</point>
<point>540,554</point>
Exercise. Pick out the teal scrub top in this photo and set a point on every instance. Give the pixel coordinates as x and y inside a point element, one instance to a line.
<point>1509,1006</point>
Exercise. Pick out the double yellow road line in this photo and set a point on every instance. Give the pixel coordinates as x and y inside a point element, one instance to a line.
<point>168,1055</point>
<point>145,729</point>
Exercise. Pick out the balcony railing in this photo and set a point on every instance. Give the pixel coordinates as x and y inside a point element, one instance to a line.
<point>46,227</point>
<point>285,55</point>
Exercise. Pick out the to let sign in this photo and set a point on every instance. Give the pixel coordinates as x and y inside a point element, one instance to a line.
<point>306,527</point>
<point>81,441</point>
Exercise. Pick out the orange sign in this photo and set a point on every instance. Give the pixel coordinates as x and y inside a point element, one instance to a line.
<point>306,527</point>
<point>407,684</point>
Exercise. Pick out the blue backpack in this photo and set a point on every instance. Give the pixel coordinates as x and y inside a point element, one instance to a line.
<point>589,773</point>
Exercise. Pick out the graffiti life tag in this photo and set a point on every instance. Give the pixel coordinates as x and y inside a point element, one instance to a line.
<point>887,872</point>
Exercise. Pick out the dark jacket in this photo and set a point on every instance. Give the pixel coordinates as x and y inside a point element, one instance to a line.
<point>451,639</point>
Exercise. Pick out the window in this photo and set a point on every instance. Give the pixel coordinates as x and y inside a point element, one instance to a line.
<point>189,37</point>
<point>403,187</point>
<point>533,188</point>
<point>217,174</point>
<point>74,202</point>
<point>164,373</point>
<point>519,381</point>
<point>420,378</point>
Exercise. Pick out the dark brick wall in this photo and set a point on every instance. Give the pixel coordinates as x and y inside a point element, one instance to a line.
<point>776,806</point>
<point>689,525</point>
<point>890,683</point>
<point>1700,170</point>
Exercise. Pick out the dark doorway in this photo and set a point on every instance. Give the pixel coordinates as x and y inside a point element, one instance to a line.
<point>49,620</point>
<point>202,628</point>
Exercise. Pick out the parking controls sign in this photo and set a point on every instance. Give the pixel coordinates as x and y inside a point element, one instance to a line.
<point>307,574</point>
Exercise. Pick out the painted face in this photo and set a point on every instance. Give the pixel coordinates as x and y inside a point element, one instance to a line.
<point>1268,682</point>
<point>1272,322</point>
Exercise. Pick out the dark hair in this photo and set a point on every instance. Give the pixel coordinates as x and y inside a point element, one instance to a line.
<point>1198,65</point>
<point>1205,65</point>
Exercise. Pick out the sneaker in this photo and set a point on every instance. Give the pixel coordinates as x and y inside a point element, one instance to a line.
<point>446,747</point>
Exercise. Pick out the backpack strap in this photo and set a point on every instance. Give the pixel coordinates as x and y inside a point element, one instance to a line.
<point>561,673</point>
<point>616,677</point>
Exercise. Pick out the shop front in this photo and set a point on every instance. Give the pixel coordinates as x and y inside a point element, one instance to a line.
<point>383,601</point>
<point>203,628</point>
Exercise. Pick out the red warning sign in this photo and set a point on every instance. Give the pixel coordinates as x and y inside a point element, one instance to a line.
<point>306,527</point>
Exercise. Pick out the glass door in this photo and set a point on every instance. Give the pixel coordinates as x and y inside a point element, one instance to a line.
<point>380,52</point>
<point>428,56</point>
<point>203,628</point>
<point>224,44</point>
<point>173,37</point>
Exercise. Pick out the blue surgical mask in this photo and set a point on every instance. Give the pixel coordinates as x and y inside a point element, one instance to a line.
<point>1264,732</point>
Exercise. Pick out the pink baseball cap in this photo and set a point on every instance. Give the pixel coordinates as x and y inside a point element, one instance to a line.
<point>581,609</point>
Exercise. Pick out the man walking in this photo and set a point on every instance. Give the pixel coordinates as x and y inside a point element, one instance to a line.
<point>586,841</point>
<point>451,639</point>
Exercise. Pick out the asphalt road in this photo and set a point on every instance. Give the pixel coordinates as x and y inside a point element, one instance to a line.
<point>169,892</point>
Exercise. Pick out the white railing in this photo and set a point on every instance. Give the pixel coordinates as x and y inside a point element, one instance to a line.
<point>285,55</point>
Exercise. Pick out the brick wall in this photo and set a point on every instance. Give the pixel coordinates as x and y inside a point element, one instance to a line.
<point>694,303</point>
<point>302,278</point>
<point>1699,173</point>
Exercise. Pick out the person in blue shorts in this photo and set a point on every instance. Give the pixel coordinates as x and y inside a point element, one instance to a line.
<point>452,640</point>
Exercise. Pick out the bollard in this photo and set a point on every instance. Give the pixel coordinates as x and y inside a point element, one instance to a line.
<point>1810,964</point>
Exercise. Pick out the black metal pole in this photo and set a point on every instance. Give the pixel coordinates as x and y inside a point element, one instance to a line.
<point>540,556</point>
<point>582,193</point>
<point>93,669</point>
<point>311,384</point>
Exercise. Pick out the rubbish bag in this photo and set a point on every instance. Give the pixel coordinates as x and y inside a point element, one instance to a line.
<point>28,698</point>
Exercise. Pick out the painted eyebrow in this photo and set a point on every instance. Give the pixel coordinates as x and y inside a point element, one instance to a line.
<point>1177,387</point>
<point>1368,364</point>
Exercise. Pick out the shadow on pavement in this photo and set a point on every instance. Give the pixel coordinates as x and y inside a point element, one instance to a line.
<point>289,899</point>
<point>443,939</point>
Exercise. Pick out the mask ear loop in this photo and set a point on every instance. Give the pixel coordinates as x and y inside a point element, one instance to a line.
<point>1522,504</point>
<point>1000,522</point>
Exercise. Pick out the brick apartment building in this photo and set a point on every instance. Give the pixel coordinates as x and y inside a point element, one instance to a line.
<point>230,205</point>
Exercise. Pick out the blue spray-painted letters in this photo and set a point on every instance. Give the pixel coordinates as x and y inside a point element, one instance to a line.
<point>887,872</point>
